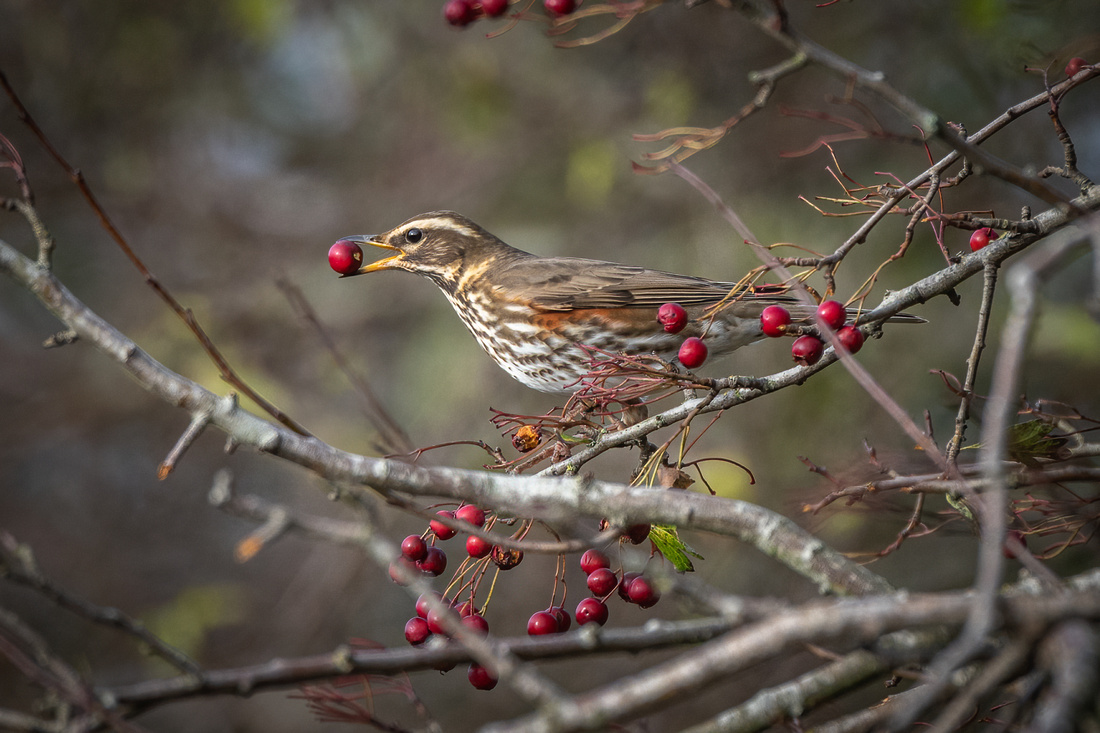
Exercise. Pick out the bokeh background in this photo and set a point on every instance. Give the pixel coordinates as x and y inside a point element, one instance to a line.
<point>232,142</point>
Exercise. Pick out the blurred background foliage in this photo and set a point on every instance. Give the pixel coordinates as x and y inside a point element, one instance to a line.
<point>232,142</point>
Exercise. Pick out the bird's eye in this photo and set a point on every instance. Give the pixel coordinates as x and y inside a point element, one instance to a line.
<point>413,236</point>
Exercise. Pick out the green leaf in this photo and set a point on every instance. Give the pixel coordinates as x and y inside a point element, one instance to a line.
<point>1030,440</point>
<point>675,550</point>
<point>960,506</point>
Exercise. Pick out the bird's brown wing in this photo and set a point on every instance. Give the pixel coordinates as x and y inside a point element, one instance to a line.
<point>563,284</point>
<point>560,284</point>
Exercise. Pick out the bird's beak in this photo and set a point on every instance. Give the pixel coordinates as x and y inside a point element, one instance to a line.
<point>386,263</point>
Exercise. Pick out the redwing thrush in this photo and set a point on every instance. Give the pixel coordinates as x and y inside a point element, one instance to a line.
<point>530,313</point>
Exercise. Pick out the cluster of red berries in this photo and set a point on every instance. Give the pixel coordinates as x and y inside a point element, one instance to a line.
<point>693,352</point>
<point>345,257</point>
<point>602,581</point>
<point>418,554</point>
<point>981,238</point>
<point>428,622</point>
<point>775,320</point>
<point>463,12</point>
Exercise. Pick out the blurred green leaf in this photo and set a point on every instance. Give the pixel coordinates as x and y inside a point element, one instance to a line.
<point>185,621</point>
<point>590,176</point>
<point>675,550</point>
<point>1029,440</point>
<point>670,98</point>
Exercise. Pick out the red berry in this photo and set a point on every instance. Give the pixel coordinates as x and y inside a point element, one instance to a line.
<point>642,592</point>
<point>602,581</point>
<point>414,548</point>
<point>434,563</point>
<point>470,513</point>
<point>774,320</point>
<point>638,533</point>
<point>1075,65</point>
<point>345,257</point>
<point>395,573</point>
<point>591,610</point>
<point>542,622</point>
<point>434,620</point>
<point>693,352</point>
<point>478,548</point>
<point>561,616</point>
<point>480,678</point>
<point>560,7</point>
<point>466,609</point>
<point>981,238</point>
<point>422,604</point>
<point>493,8</point>
<point>807,349</point>
<point>673,317</point>
<point>832,313</point>
<point>592,560</point>
<point>624,587</point>
<point>416,630</point>
<point>476,623</point>
<point>459,12</point>
<point>851,338</point>
<point>442,531</point>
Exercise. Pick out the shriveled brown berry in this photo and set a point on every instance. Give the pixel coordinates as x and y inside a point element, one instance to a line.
<point>506,559</point>
<point>527,438</point>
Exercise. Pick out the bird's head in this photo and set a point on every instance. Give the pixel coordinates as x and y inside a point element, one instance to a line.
<point>440,245</point>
